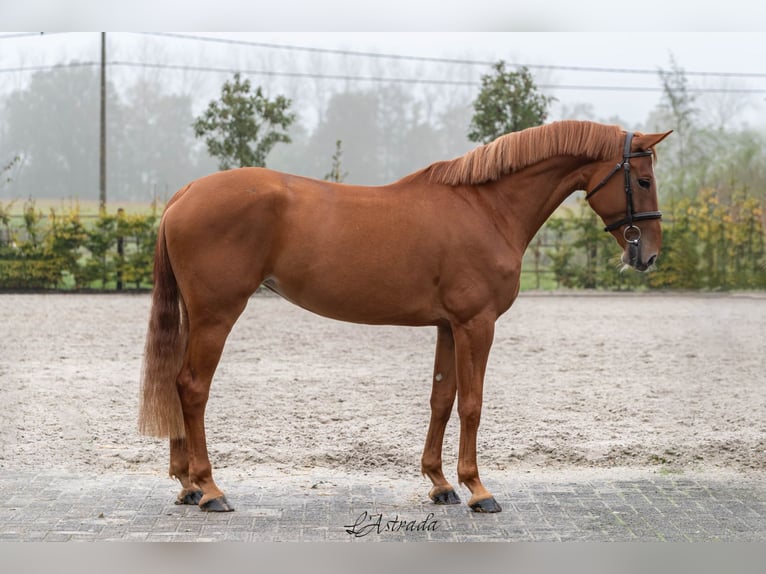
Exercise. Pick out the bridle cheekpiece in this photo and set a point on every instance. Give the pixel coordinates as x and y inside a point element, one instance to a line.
<point>632,234</point>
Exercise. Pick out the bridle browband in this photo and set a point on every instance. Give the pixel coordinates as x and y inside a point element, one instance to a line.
<point>632,233</point>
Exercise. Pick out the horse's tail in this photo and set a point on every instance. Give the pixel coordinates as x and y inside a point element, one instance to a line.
<point>160,411</point>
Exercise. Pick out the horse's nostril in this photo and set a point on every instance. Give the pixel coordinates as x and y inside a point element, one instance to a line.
<point>651,261</point>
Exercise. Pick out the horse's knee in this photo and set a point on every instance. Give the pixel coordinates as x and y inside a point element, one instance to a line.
<point>470,414</point>
<point>442,406</point>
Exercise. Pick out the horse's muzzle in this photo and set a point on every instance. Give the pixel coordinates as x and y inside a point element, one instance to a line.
<point>633,256</point>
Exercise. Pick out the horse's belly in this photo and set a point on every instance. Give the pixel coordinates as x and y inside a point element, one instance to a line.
<point>359,301</point>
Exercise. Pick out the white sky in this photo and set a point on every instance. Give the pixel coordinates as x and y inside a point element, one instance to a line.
<point>630,18</point>
<point>557,32</point>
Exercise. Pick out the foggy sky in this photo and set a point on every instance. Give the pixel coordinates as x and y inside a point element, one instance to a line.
<point>607,76</point>
<point>393,15</point>
<point>608,92</point>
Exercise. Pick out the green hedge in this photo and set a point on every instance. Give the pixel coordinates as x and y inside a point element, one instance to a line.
<point>710,242</point>
<point>70,251</point>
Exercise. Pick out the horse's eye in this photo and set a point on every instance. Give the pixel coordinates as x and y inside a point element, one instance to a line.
<point>645,183</point>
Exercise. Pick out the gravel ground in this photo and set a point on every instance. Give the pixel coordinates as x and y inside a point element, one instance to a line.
<point>575,383</point>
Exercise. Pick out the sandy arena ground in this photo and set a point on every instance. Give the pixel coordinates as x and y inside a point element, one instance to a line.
<point>673,383</point>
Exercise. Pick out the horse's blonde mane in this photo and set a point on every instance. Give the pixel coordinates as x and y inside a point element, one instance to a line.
<point>518,150</point>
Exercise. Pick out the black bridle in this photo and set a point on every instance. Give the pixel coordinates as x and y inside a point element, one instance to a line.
<point>632,233</point>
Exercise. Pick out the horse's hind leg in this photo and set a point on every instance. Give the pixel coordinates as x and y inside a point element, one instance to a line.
<point>442,399</point>
<point>208,330</point>
<point>179,469</point>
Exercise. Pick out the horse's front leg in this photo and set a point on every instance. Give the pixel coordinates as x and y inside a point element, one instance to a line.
<point>442,398</point>
<point>473,340</point>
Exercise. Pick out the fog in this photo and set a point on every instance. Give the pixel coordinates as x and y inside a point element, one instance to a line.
<point>397,102</point>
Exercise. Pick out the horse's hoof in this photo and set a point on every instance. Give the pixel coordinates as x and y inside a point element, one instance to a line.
<point>189,497</point>
<point>219,504</point>
<point>446,497</point>
<point>486,505</point>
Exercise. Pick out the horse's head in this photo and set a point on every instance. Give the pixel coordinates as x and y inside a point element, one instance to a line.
<point>625,197</point>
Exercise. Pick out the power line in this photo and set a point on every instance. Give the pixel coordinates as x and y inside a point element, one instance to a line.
<point>19,35</point>
<point>372,79</point>
<point>310,49</point>
<point>310,75</point>
<point>432,59</point>
<point>427,81</point>
<point>49,67</point>
<point>383,55</point>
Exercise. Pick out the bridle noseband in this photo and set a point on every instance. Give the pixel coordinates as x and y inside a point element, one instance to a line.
<point>632,233</point>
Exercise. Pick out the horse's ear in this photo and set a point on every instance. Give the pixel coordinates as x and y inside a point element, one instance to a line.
<point>648,141</point>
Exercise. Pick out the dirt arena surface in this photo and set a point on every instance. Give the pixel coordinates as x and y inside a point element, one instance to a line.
<point>576,384</point>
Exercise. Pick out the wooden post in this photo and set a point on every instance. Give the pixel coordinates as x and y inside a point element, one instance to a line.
<point>120,247</point>
<point>102,143</point>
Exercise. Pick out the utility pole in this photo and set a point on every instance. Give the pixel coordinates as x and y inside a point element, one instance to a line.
<point>102,144</point>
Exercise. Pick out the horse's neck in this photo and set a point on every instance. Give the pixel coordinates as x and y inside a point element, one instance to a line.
<point>529,197</point>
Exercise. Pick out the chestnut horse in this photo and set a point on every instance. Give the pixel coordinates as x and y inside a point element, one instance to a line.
<point>441,247</point>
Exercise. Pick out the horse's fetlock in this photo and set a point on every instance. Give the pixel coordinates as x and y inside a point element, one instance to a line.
<point>430,466</point>
<point>467,474</point>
